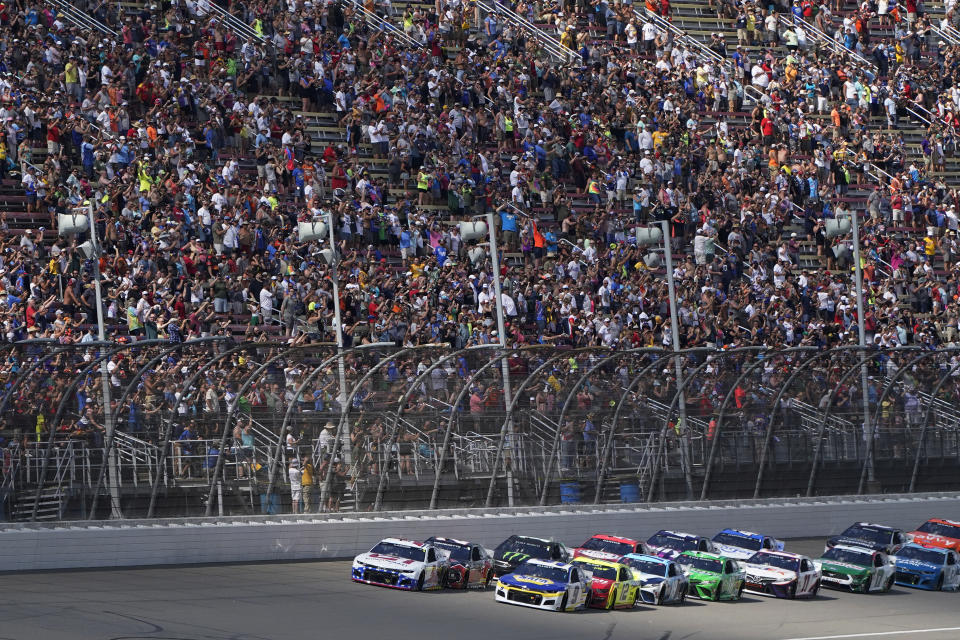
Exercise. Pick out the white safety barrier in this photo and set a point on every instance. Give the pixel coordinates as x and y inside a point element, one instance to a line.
<point>283,538</point>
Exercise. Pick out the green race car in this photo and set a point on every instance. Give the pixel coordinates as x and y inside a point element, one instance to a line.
<point>712,577</point>
<point>856,569</point>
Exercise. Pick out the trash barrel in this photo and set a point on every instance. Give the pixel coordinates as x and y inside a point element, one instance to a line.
<point>570,493</point>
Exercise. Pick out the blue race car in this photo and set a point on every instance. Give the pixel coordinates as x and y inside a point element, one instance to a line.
<point>670,544</point>
<point>740,545</point>
<point>927,568</point>
<point>662,581</point>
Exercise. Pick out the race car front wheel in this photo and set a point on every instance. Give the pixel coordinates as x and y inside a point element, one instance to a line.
<point>612,600</point>
<point>939,586</point>
<point>815,590</point>
<point>792,591</point>
<point>660,596</point>
<point>739,592</point>
<point>683,596</point>
<point>888,585</point>
<point>466,579</point>
<point>420,582</point>
<point>489,578</point>
<point>563,604</point>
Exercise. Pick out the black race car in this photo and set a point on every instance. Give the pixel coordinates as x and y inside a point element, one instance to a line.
<point>516,550</point>
<point>876,537</point>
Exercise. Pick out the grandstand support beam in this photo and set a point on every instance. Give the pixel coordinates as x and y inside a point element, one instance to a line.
<point>111,438</point>
<point>871,439</point>
<point>868,427</point>
<point>25,372</point>
<point>726,401</point>
<point>774,406</point>
<point>608,445</point>
<point>503,429</point>
<point>678,398</point>
<point>406,395</point>
<point>345,415</point>
<point>65,399</point>
<point>818,444</point>
<point>455,409</point>
<point>275,458</point>
<point>231,410</point>
<point>587,374</point>
<point>188,384</point>
<point>926,420</point>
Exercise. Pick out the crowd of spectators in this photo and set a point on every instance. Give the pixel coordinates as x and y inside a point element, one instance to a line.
<point>202,146</point>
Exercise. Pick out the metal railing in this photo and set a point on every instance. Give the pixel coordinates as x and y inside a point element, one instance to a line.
<point>80,18</point>
<point>548,43</point>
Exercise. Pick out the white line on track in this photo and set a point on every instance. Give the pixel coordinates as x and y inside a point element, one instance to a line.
<point>879,633</point>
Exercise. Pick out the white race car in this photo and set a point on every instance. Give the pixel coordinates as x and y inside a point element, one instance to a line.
<point>545,584</point>
<point>662,581</point>
<point>402,564</point>
<point>782,574</point>
<point>740,545</point>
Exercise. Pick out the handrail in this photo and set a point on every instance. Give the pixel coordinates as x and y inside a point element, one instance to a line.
<point>80,18</point>
<point>385,25</point>
<point>229,20</point>
<point>550,44</point>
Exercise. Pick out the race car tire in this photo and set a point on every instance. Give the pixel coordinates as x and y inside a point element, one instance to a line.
<point>888,584</point>
<point>815,590</point>
<point>466,579</point>
<point>683,596</point>
<point>740,591</point>
<point>939,586</point>
<point>489,578</point>
<point>792,591</point>
<point>636,598</point>
<point>611,600</point>
<point>660,598</point>
<point>563,604</point>
<point>420,582</point>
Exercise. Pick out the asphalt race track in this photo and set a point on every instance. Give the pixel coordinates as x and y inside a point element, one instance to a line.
<point>317,600</point>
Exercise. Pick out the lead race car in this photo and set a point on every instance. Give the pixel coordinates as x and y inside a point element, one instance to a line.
<point>612,584</point>
<point>740,545</point>
<point>402,564</point>
<point>544,584</point>
<point>930,568</point>
<point>937,532</point>
<point>662,581</point>
<point>781,574</point>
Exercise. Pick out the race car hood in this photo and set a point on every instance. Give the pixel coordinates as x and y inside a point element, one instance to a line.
<point>856,542</point>
<point>737,553</point>
<point>532,583</point>
<point>665,552</point>
<point>647,578</point>
<point>512,558</point>
<point>843,567</point>
<point>598,555</point>
<point>388,562</point>
<point>916,565</point>
<point>697,576</point>
<point>766,571</point>
<point>601,584</point>
<point>933,540</point>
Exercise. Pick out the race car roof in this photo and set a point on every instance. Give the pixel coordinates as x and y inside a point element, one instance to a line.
<point>603,536</point>
<point>782,554</point>
<point>940,550</point>
<point>678,534</point>
<point>872,525</point>
<point>556,564</point>
<point>855,548</point>
<point>704,555</point>
<point>533,538</point>
<point>646,558</point>
<point>743,534</point>
<point>403,542</point>
<point>453,541</point>
<point>594,561</point>
<point>952,523</point>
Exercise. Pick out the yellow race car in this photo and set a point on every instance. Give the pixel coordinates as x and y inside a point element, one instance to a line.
<point>613,585</point>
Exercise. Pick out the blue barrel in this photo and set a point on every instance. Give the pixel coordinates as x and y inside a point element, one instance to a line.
<point>272,507</point>
<point>629,492</point>
<point>570,493</point>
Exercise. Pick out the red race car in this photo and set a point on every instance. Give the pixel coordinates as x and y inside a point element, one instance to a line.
<point>610,548</point>
<point>470,564</point>
<point>937,532</point>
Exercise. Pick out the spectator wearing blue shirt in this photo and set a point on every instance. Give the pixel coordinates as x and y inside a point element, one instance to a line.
<point>508,226</point>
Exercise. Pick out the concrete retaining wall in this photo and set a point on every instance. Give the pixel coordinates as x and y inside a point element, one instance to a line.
<point>159,542</point>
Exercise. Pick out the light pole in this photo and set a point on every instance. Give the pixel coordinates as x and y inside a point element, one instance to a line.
<point>648,236</point>
<point>307,232</point>
<point>472,231</point>
<point>72,224</point>
<point>832,229</point>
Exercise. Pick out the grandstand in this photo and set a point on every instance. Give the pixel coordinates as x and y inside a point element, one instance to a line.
<point>202,134</point>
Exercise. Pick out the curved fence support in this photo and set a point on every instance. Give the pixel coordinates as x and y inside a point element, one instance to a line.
<point>726,401</point>
<point>926,420</point>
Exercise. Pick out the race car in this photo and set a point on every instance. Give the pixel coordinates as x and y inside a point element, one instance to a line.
<point>516,550</point>
<point>734,543</point>
<point>544,584</point>
<point>938,533</point>
<point>469,564</point>
<point>931,568</point>
<point>612,585</point>
<point>402,564</point>
<point>662,581</point>
<point>712,577</point>
<point>670,544</point>
<point>877,537</point>
<point>781,574</point>
<point>610,548</point>
<point>855,569</point>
